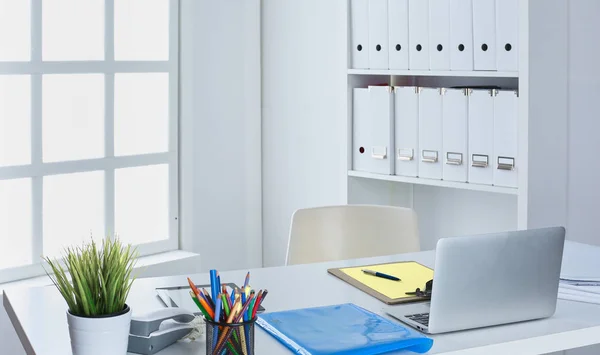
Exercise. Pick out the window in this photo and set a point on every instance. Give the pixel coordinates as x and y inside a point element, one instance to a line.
<point>88,127</point>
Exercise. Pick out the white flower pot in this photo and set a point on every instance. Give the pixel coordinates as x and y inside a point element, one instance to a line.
<point>101,335</point>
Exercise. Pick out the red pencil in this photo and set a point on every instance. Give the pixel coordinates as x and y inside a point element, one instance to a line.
<point>257,303</point>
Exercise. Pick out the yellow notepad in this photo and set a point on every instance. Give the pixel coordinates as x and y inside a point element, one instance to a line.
<point>412,274</point>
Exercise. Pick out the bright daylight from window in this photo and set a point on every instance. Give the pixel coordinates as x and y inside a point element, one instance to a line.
<point>88,127</point>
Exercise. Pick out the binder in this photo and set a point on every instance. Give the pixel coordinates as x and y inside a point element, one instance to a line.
<point>406,125</point>
<point>439,34</point>
<point>481,136</point>
<point>505,138</point>
<point>360,129</point>
<point>341,329</point>
<point>461,35</point>
<point>507,35</point>
<point>454,138</point>
<point>418,34</point>
<point>430,133</point>
<point>359,32</point>
<point>372,129</point>
<point>378,34</point>
<point>398,34</point>
<point>484,34</point>
<point>414,275</point>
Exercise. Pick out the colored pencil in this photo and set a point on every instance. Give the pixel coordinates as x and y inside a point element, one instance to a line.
<point>244,302</point>
<point>218,285</point>
<point>192,286</point>
<point>257,303</point>
<point>264,295</point>
<point>208,297</point>
<point>213,283</point>
<point>251,307</point>
<point>247,280</point>
<point>204,312</point>
<point>217,319</point>
<point>225,304</point>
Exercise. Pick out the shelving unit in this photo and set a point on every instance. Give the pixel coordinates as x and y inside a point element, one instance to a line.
<point>460,74</point>
<point>452,208</point>
<point>431,182</point>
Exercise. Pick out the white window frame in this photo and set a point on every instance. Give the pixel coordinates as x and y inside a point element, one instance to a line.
<point>38,169</point>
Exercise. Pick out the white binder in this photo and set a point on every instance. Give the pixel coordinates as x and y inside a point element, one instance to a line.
<point>505,138</point>
<point>398,34</point>
<point>418,34</point>
<point>406,113</point>
<point>430,133</point>
<point>454,138</point>
<point>481,136</point>
<point>359,32</point>
<point>507,35</point>
<point>461,35</point>
<point>484,34</point>
<point>439,34</point>
<point>378,34</point>
<point>361,130</point>
<point>372,130</point>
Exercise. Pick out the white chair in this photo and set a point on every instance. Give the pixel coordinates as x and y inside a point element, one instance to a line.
<point>350,232</point>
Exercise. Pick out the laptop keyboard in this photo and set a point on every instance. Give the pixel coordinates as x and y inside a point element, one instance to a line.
<point>421,318</point>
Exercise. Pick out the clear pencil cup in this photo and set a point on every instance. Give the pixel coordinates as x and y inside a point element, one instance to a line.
<point>230,338</point>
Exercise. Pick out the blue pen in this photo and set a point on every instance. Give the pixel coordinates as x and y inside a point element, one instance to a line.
<point>232,296</point>
<point>381,274</point>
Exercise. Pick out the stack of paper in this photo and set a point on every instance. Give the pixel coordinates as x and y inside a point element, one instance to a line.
<point>580,273</point>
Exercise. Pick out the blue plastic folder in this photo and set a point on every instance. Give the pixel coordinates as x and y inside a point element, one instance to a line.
<point>344,329</point>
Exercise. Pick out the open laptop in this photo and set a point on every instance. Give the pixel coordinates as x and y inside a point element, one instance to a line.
<point>490,279</point>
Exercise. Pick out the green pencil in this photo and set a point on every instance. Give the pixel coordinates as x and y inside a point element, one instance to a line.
<point>225,304</point>
<point>200,306</point>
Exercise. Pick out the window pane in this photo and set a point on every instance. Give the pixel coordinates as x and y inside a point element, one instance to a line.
<point>15,223</point>
<point>72,30</point>
<point>142,30</point>
<point>15,30</point>
<point>73,210</point>
<point>72,117</point>
<point>141,113</point>
<point>15,120</point>
<point>142,203</point>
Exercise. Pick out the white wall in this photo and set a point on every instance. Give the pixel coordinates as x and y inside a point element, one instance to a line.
<point>583,212</point>
<point>220,132</point>
<point>304,113</point>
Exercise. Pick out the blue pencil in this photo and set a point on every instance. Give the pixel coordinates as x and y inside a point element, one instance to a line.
<point>217,320</point>
<point>244,302</point>
<point>218,284</point>
<point>213,284</point>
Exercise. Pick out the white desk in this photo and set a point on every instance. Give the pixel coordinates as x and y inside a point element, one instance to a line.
<point>38,314</point>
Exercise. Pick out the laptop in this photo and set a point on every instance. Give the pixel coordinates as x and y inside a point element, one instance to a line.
<point>490,279</point>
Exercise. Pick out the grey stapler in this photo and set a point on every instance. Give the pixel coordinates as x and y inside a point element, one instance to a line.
<point>156,330</point>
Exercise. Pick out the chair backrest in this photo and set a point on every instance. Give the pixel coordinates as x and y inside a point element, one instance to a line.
<point>350,232</point>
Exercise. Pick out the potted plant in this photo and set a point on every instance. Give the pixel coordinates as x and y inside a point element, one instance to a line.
<point>95,284</point>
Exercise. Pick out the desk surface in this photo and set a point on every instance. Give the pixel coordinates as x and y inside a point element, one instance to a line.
<point>38,314</point>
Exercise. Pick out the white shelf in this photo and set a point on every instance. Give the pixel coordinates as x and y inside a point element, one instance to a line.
<point>471,74</point>
<point>439,183</point>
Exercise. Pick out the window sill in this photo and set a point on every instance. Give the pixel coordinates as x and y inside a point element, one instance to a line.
<point>161,264</point>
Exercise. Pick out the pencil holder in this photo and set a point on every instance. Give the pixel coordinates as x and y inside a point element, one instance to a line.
<point>230,338</point>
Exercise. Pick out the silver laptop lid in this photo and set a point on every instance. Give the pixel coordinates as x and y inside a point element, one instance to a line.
<point>495,278</point>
